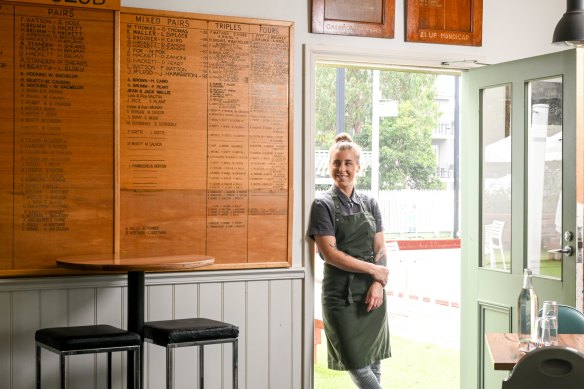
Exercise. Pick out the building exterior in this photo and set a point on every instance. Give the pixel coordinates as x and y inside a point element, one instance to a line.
<point>445,136</point>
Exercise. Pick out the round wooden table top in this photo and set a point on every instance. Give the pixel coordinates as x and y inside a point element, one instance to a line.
<point>113,262</point>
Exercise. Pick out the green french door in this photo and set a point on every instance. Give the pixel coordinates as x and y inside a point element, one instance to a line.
<point>519,194</point>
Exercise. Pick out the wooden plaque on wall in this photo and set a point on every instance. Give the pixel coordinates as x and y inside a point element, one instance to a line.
<point>371,18</point>
<point>57,134</point>
<point>6,134</point>
<point>190,154</point>
<point>451,22</point>
<point>205,137</point>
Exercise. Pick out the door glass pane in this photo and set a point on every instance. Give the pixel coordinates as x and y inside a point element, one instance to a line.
<point>496,177</point>
<point>544,177</point>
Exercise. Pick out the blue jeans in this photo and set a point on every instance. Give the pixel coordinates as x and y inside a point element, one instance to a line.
<point>368,377</point>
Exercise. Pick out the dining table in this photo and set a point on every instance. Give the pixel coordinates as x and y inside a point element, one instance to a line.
<point>504,351</point>
<point>135,267</point>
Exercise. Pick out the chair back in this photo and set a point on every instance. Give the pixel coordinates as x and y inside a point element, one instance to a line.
<point>570,320</point>
<point>548,367</point>
<point>497,228</point>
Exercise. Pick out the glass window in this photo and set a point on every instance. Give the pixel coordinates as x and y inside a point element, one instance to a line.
<point>544,177</point>
<point>496,177</point>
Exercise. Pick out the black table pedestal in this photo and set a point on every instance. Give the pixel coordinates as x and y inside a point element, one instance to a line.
<point>136,320</point>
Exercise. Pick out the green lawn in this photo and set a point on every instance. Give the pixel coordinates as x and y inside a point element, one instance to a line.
<point>414,365</point>
<point>551,268</point>
<point>547,267</point>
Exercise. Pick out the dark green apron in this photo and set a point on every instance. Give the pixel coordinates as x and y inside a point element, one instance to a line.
<point>355,338</point>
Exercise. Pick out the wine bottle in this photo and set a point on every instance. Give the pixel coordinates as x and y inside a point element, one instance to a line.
<point>527,306</point>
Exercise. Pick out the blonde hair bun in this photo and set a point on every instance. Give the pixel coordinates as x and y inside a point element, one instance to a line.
<point>344,141</point>
<point>343,137</point>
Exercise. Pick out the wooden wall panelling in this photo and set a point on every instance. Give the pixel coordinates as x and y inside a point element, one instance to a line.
<point>81,305</point>
<point>258,335</point>
<point>53,308</point>
<point>110,310</point>
<point>186,297</point>
<point>281,333</point>
<point>26,306</point>
<point>160,303</point>
<point>211,306</point>
<point>6,336</point>
<point>24,323</point>
<point>82,308</point>
<point>235,308</point>
<point>298,352</point>
<point>186,300</point>
<point>53,313</point>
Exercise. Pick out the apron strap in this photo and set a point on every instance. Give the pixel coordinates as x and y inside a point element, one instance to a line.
<point>364,210</point>
<point>350,278</point>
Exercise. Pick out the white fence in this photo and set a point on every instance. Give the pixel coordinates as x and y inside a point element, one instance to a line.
<point>413,212</point>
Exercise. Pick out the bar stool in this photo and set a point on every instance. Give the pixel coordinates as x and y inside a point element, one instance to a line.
<point>191,332</point>
<point>89,339</point>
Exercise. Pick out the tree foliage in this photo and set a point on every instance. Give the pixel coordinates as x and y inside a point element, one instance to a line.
<point>325,106</point>
<point>407,160</point>
<point>358,83</point>
<point>406,157</point>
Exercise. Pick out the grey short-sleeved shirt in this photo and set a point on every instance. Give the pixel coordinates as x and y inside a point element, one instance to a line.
<point>322,213</point>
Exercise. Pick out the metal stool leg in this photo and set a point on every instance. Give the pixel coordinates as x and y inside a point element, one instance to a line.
<point>62,370</point>
<point>38,367</point>
<point>235,364</point>
<point>169,364</point>
<point>109,370</point>
<point>201,366</point>
<point>137,371</point>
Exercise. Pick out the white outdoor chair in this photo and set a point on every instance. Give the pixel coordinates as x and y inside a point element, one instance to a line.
<point>494,240</point>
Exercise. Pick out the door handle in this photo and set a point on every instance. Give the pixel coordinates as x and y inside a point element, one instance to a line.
<point>568,250</point>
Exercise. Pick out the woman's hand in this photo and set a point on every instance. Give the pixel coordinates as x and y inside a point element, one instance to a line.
<point>374,297</point>
<point>380,274</point>
<point>327,245</point>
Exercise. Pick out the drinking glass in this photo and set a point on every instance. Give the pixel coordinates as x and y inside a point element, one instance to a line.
<point>550,309</point>
<point>548,324</point>
<point>543,332</point>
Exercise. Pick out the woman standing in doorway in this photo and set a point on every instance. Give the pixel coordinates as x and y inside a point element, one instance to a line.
<point>346,226</point>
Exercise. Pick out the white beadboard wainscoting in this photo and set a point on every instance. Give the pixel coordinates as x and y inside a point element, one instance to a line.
<point>267,305</point>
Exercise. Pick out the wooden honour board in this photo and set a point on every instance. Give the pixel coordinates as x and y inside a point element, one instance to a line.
<point>370,18</point>
<point>178,144</point>
<point>451,22</point>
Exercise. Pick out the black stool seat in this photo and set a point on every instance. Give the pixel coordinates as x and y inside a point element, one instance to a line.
<point>192,332</point>
<point>86,337</point>
<point>90,339</point>
<point>165,332</point>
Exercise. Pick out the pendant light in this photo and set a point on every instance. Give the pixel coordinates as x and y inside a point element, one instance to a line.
<point>570,29</point>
